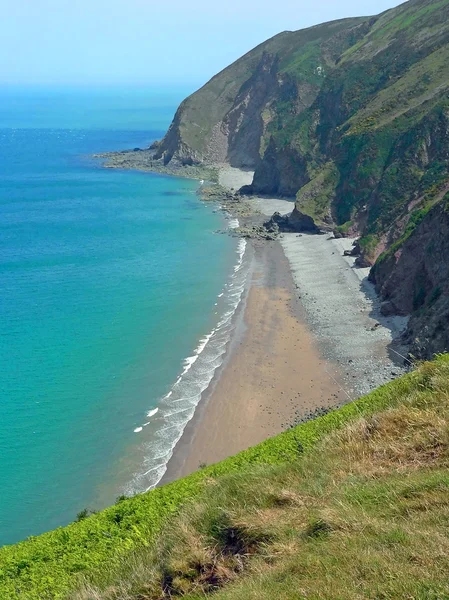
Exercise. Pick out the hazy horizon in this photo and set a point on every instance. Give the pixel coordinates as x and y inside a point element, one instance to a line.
<point>141,43</point>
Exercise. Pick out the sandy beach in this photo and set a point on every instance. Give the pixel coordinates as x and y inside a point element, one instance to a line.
<point>308,336</point>
<point>272,377</point>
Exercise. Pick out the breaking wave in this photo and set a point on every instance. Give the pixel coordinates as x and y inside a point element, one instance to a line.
<point>166,423</point>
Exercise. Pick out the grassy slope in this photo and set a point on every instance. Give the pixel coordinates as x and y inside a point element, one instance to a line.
<point>299,52</point>
<point>361,514</point>
<point>46,567</point>
<point>395,85</point>
<point>375,112</point>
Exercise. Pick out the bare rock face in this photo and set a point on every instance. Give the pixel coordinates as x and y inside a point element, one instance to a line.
<point>244,121</point>
<point>294,222</point>
<point>282,173</point>
<point>301,222</point>
<point>415,280</point>
<point>387,308</point>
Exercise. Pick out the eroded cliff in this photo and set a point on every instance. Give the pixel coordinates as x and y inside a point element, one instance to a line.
<point>230,119</point>
<point>413,278</point>
<point>352,119</point>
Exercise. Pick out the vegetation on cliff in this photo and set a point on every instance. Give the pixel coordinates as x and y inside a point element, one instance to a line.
<point>386,451</point>
<point>228,118</point>
<point>351,117</point>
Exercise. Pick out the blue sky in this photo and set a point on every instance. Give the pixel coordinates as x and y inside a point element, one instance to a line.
<point>145,42</point>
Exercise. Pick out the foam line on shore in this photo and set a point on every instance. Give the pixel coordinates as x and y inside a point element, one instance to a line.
<point>177,407</point>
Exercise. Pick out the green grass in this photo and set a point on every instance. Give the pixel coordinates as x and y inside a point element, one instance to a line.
<point>406,19</point>
<point>415,219</point>
<point>402,22</point>
<point>315,198</point>
<point>305,63</point>
<point>422,81</point>
<point>47,566</point>
<point>363,512</point>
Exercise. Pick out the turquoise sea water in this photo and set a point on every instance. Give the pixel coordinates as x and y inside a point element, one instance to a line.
<point>112,290</point>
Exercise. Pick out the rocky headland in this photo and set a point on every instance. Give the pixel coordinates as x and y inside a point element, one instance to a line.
<point>145,159</point>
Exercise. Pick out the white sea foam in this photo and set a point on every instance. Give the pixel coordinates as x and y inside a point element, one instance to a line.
<point>233,223</point>
<point>188,362</point>
<point>203,342</point>
<point>151,413</point>
<point>178,406</point>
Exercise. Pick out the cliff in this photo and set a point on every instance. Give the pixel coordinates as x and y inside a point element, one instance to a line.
<point>230,118</point>
<point>413,278</point>
<point>352,119</point>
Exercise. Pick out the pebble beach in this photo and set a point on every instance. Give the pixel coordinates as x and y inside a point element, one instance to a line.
<point>308,336</point>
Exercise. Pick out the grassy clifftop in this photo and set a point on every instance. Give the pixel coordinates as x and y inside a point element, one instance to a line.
<point>361,514</point>
<point>369,476</point>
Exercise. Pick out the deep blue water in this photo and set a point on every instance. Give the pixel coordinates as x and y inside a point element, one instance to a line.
<point>108,280</point>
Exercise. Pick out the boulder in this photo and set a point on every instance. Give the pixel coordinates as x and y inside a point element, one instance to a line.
<point>246,190</point>
<point>300,222</point>
<point>362,262</point>
<point>277,223</point>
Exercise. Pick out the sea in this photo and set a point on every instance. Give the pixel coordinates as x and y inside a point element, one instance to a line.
<point>117,292</point>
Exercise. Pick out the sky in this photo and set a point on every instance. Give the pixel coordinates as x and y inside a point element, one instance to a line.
<point>146,42</point>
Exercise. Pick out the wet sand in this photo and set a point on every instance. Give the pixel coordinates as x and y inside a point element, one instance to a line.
<point>272,377</point>
<point>309,335</point>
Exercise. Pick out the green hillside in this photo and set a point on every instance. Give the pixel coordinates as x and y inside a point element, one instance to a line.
<point>361,514</point>
<point>379,120</point>
<point>226,120</point>
<point>352,119</point>
<point>107,548</point>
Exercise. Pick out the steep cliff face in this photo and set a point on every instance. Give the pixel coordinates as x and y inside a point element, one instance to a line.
<point>414,279</point>
<point>227,120</point>
<point>368,138</point>
<point>352,118</point>
<point>244,124</point>
<point>284,172</point>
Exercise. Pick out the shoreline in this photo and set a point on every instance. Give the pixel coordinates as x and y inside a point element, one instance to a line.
<point>307,335</point>
<point>292,353</point>
<point>259,390</point>
<point>142,160</point>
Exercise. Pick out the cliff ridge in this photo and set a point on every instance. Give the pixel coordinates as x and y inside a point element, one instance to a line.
<point>352,119</point>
